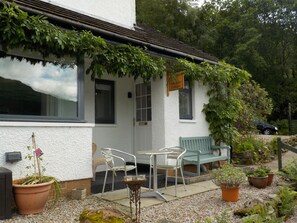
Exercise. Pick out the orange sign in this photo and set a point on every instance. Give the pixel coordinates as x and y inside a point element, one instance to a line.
<point>175,83</point>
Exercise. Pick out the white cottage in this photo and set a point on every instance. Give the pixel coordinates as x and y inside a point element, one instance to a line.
<point>68,111</point>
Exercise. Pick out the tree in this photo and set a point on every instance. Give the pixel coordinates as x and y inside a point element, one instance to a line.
<point>259,36</point>
<point>256,104</point>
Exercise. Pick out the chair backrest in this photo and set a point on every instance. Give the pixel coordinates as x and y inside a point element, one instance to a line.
<point>107,153</point>
<point>174,158</point>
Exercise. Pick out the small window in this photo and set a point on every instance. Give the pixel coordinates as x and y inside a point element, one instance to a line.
<point>185,102</point>
<point>143,102</point>
<point>104,102</point>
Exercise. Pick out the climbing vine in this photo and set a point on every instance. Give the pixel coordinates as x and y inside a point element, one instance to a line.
<point>35,33</point>
<point>223,84</point>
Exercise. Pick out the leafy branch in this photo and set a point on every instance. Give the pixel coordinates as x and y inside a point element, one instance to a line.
<point>35,33</point>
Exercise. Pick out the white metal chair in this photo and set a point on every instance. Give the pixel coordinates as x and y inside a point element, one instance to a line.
<point>96,160</point>
<point>172,161</point>
<point>115,160</point>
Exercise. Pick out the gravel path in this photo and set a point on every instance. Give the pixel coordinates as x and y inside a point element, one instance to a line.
<point>186,210</point>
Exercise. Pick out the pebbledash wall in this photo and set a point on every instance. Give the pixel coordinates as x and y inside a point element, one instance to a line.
<point>120,12</point>
<point>66,147</point>
<point>167,127</point>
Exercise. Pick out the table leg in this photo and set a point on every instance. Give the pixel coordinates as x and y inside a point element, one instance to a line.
<point>155,174</point>
<point>155,192</point>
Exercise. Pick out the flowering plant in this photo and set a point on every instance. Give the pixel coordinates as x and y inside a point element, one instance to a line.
<point>249,171</point>
<point>229,176</point>
<point>260,171</point>
<point>37,177</point>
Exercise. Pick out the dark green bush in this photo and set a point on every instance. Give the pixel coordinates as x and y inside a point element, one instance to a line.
<point>283,127</point>
<point>289,172</point>
<point>261,151</point>
<point>286,202</point>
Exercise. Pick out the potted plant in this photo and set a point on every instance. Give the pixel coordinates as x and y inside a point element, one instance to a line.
<point>31,193</point>
<point>259,177</point>
<point>229,179</point>
<point>249,171</point>
<point>270,175</point>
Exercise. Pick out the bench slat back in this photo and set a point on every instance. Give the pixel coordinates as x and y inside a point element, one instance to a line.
<point>202,143</point>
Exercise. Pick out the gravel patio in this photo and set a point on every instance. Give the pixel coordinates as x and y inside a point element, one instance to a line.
<point>185,210</point>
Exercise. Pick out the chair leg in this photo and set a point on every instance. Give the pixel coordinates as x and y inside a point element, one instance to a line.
<point>113,173</point>
<point>175,182</point>
<point>150,178</point>
<point>128,194</point>
<point>182,174</point>
<point>105,177</point>
<point>166,176</point>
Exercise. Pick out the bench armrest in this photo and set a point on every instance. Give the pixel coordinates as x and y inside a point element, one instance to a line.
<point>221,147</point>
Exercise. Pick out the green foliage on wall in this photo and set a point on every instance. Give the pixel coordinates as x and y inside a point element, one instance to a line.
<point>35,33</point>
<point>223,84</point>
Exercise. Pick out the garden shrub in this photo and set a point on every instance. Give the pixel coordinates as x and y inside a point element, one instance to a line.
<point>261,151</point>
<point>289,172</point>
<point>286,202</point>
<point>282,125</point>
<point>273,146</point>
<point>273,211</point>
<point>292,141</point>
<point>104,215</point>
<point>224,217</point>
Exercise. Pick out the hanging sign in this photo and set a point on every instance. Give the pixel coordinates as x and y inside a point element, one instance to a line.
<point>176,83</point>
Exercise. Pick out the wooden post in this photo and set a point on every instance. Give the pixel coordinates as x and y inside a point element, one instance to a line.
<point>279,150</point>
<point>290,119</point>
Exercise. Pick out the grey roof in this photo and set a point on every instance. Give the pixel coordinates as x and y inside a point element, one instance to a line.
<point>141,36</point>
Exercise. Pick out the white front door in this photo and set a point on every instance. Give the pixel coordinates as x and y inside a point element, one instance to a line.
<point>142,120</point>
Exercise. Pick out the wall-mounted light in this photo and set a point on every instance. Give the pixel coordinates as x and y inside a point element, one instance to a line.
<point>129,94</point>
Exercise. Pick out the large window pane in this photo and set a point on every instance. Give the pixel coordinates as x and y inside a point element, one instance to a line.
<point>37,90</point>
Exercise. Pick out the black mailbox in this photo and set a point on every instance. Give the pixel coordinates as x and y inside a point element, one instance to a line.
<point>5,193</point>
<point>13,156</point>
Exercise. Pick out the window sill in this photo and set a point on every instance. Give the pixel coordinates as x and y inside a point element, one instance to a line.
<point>44,124</point>
<point>187,121</point>
<point>106,125</point>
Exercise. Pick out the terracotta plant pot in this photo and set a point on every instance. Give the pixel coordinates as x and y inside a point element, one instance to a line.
<point>270,179</point>
<point>259,182</point>
<point>31,199</point>
<point>230,194</point>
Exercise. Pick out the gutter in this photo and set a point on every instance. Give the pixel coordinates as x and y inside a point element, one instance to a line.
<point>152,47</point>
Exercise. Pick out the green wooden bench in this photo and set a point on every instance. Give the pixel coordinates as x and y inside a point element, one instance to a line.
<point>200,150</point>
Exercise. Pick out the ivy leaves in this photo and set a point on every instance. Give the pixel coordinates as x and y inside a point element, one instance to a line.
<point>35,33</point>
<point>125,60</point>
<point>224,106</point>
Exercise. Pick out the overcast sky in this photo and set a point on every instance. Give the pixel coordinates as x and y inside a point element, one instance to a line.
<point>50,79</point>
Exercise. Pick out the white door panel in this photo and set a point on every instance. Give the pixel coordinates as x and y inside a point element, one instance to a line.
<point>142,120</point>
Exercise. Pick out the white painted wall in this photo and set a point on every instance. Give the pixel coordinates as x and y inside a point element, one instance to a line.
<point>166,125</point>
<point>158,113</point>
<point>120,12</point>
<point>66,147</point>
<point>174,127</point>
<point>120,134</point>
